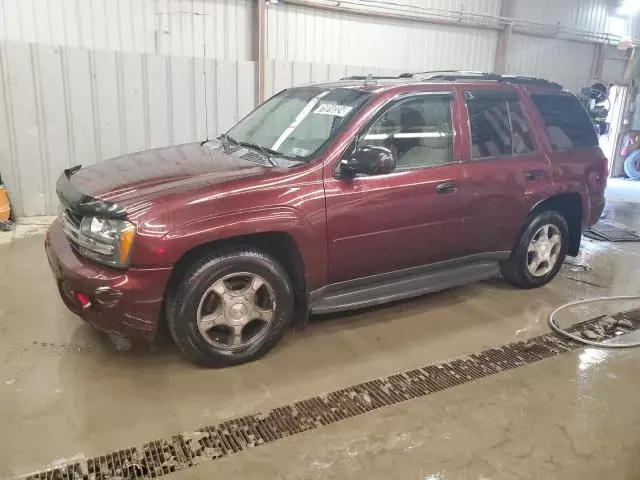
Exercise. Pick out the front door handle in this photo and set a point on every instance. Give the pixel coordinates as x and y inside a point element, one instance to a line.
<point>446,187</point>
<point>534,176</point>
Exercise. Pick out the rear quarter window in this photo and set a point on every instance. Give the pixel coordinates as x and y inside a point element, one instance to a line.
<point>567,122</point>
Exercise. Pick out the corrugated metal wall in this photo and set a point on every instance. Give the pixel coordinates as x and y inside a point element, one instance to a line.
<point>61,106</point>
<point>212,28</point>
<point>591,15</point>
<point>486,7</point>
<point>306,35</point>
<point>85,80</point>
<point>280,74</point>
<point>568,63</point>
<point>614,65</point>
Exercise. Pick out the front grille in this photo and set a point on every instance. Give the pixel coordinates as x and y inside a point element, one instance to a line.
<point>71,225</point>
<point>74,218</point>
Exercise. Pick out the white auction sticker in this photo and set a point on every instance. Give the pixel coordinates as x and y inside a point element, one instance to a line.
<point>335,110</point>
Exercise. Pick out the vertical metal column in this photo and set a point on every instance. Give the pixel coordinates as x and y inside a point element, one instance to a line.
<point>504,36</point>
<point>259,35</point>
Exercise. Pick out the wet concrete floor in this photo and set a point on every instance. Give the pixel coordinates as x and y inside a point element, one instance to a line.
<point>68,392</point>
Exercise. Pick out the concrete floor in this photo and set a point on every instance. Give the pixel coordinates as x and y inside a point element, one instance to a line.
<point>68,392</point>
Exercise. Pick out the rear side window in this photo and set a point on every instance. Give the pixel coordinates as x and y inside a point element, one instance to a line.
<point>568,125</point>
<point>498,128</point>
<point>489,122</point>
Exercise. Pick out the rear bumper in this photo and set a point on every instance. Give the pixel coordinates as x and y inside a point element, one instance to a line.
<point>596,207</point>
<point>125,302</point>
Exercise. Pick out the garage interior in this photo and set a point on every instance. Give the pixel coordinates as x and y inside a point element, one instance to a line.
<point>85,81</point>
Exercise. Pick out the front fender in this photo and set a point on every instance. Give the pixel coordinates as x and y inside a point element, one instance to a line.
<point>309,238</point>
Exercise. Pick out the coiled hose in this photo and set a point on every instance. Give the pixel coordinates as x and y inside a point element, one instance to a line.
<point>554,326</point>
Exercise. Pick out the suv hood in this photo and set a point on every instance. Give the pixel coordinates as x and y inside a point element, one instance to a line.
<point>138,177</point>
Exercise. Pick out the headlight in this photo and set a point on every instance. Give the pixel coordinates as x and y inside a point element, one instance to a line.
<point>107,240</point>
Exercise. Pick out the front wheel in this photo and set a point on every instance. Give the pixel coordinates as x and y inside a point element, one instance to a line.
<point>231,307</point>
<point>540,253</point>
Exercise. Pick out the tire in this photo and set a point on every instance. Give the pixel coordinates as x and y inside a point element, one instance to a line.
<point>632,165</point>
<point>516,270</point>
<point>200,286</point>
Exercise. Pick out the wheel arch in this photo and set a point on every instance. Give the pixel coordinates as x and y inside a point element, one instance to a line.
<point>278,244</point>
<point>570,206</point>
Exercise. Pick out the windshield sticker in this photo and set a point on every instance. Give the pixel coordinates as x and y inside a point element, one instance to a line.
<point>299,152</point>
<point>335,110</point>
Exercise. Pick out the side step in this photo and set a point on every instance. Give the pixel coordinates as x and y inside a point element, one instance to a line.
<point>387,288</point>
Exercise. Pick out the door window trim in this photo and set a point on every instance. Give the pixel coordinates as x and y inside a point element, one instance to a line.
<point>381,110</point>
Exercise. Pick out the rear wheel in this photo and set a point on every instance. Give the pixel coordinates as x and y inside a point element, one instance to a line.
<point>540,252</point>
<point>231,307</point>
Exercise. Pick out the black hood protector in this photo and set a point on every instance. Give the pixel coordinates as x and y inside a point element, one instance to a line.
<point>82,204</point>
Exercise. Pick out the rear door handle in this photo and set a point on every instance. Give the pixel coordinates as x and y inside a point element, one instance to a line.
<point>446,187</point>
<point>534,176</point>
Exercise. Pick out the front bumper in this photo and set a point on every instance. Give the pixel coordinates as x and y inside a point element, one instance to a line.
<point>125,302</point>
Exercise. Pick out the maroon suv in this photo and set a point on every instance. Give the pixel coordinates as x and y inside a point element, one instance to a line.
<point>329,197</point>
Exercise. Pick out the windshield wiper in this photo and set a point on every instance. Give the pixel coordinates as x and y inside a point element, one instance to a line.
<point>267,153</point>
<point>227,138</point>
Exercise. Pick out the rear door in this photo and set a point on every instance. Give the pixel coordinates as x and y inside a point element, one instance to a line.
<point>507,170</point>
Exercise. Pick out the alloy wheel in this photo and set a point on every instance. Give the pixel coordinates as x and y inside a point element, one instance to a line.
<point>544,250</point>
<point>235,311</point>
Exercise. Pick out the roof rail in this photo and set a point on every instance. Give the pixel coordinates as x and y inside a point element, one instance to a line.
<point>464,75</point>
<point>367,77</point>
<point>522,80</point>
<point>451,75</point>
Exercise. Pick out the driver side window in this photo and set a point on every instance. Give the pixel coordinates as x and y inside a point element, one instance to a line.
<point>418,131</point>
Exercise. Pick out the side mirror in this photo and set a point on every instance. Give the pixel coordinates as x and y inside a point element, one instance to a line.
<point>369,160</point>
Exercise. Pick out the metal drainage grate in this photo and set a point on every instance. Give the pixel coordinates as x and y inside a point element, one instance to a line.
<point>161,457</point>
<point>608,232</point>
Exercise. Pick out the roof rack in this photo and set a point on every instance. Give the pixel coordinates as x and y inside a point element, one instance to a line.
<point>451,75</point>
<point>368,77</point>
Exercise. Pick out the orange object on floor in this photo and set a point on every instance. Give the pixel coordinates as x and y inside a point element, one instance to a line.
<point>5,208</point>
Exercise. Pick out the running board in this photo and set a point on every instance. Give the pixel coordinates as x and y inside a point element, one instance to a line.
<point>385,288</point>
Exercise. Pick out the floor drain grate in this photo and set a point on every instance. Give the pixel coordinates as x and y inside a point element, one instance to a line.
<point>608,232</point>
<point>162,457</point>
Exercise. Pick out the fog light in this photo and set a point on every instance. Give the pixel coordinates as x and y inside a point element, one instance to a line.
<point>83,300</point>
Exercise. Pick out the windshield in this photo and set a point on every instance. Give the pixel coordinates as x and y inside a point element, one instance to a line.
<point>299,121</point>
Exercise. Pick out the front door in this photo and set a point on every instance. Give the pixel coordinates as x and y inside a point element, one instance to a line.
<point>410,217</point>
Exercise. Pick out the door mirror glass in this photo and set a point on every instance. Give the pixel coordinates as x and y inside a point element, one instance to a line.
<point>369,160</point>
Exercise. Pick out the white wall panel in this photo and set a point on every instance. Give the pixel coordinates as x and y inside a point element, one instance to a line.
<point>53,119</point>
<point>591,15</point>
<point>211,28</point>
<point>486,7</point>
<point>568,63</point>
<point>302,34</point>
<point>614,65</point>
<point>64,106</point>
<point>27,129</point>
<point>82,119</point>
<point>280,74</point>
